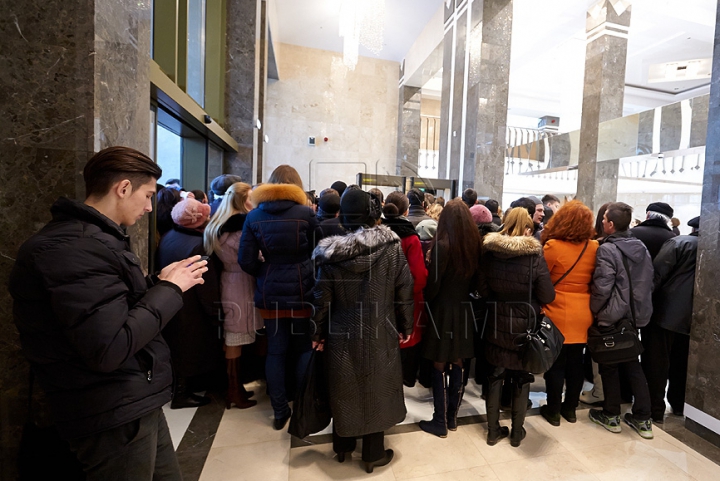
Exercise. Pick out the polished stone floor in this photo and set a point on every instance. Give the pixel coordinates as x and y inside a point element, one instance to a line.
<point>222,445</point>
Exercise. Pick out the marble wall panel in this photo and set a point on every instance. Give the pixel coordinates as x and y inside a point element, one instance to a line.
<point>242,84</point>
<point>409,129</point>
<point>699,122</point>
<point>357,110</point>
<point>645,132</point>
<point>559,151</point>
<point>703,385</point>
<point>445,109</point>
<point>456,120</point>
<point>78,77</point>
<point>670,127</point>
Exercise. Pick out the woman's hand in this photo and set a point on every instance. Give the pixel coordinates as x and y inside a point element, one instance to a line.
<point>320,346</point>
<point>403,338</point>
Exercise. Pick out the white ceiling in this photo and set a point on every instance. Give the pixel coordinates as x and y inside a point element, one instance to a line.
<point>548,47</point>
<point>314,24</point>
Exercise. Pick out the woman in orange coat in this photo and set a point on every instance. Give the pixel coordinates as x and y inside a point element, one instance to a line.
<point>569,249</point>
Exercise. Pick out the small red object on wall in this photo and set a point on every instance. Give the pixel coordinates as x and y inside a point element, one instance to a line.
<point>326,139</point>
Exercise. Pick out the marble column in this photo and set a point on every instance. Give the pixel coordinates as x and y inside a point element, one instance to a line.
<point>79,76</point>
<point>487,99</point>
<point>606,55</point>
<point>409,131</point>
<point>702,397</point>
<point>242,85</point>
<point>473,116</point>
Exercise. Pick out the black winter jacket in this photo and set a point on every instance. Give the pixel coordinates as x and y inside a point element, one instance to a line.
<point>328,228</point>
<point>363,299</point>
<point>417,214</point>
<point>674,283</point>
<point>90,322</point>
<point>504,283</point>
<point>610,289</point>
<point>193,333</point>
<point>653,233</point>
<point>281,227</point>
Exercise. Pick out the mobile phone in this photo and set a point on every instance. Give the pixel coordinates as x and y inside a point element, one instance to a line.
<point>204,258</point>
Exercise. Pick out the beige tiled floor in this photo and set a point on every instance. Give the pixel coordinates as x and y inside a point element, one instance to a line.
<point>246,448</point>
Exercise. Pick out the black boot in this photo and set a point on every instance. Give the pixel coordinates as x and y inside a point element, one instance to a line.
<point>438,424</point>
<point>456,388</point>
<point>182,398</point>
<point>519,409</point>
<point>492,406</point>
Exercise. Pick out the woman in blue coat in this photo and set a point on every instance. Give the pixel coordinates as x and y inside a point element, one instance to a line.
<point>275,248</point>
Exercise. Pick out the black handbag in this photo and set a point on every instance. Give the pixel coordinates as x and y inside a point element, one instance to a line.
<point>542,344</point>
<point>617,343</point>
<point>311,412</point>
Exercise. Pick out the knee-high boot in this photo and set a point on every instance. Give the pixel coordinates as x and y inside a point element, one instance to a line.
<point>438,424</point>
<point>236,393</point>
<point>456,388</point>
<point>492,406</point>
<point>521,392</point>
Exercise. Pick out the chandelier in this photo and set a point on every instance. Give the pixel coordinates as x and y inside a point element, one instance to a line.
<point>361,23</point>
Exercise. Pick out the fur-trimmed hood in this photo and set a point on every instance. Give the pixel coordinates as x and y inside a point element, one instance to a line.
<point>277,192</point>
<point>511,246</point>
<point>362,247</point>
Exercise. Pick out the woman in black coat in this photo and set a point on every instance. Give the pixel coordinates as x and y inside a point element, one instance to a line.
<point>510,258</point>
<point>364,303</point>
<point>192,335</point>
<point>275,248</point>
<point>449,335</point>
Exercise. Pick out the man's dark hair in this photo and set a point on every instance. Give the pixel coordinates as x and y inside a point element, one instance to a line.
<point>415,196</point>
<point>469,196</point>
<point>620,214</point>
<point>429,199</point>
<point>549,198</point>
<point>329,190</point>
<point>377,193</point>
<point>525,203</point>
<point>114,164</point>
<point>440,201</point>
<point>492,205</point>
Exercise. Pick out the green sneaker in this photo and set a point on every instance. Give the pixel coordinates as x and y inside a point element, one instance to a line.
<point>611,423</point>
<point>643,428</point>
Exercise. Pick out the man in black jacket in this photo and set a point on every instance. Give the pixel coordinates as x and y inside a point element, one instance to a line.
<point>655,231</point>
<point>90,321</point>
<point>667,338</point>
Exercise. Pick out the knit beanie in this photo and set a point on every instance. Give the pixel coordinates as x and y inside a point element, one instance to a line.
<point>358,208</point>
<point>329,204</point>
<point>190,213</point>
<point>660,208</point>
<point>480,214</point>
<point>426,229</point>
<point>340,186</point>
<point>221,183</point>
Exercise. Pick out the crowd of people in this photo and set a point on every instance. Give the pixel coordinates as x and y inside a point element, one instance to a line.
<point>394,289</point>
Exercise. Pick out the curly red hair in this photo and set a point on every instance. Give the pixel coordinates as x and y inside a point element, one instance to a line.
<point>573,222</point>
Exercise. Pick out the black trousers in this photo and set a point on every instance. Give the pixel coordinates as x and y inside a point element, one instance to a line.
<point>140,450</point>
<point>410,359</point>
<point>373,445</point>
<point>610,374</point>
<point>665,359</point>
<point>568,371</point>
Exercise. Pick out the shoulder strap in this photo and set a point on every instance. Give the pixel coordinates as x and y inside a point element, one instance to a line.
<point>530,289</point>
<point>573,266</point>
<point>632,298</point>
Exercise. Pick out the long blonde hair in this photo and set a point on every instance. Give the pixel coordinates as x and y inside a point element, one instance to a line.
<point>233,203</point>
<point>516,221</point>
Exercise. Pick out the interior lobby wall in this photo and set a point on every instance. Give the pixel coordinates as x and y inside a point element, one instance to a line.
<point>318,96</point>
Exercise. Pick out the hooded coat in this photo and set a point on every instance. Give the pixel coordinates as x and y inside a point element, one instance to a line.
<point>674,283</point>
<point>281,227</point>
<point>361,340</point>
<point>505,283</point>
<point>193,333</point>
<point>237,287</point>
<point>653,233</point>
<point>413,251</point>
<point>610,299</point>
<point>90,322</point>
<point>450,331</point>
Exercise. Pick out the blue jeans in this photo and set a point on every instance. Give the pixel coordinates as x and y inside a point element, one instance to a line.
<point>285,334</point>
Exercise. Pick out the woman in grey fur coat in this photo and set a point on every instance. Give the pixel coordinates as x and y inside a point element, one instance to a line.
<point>364,303</point>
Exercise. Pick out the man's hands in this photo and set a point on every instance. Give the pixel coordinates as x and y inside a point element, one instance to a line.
<point>185,273</point>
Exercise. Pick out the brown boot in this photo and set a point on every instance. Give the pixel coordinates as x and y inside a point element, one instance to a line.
<point>235,394</point>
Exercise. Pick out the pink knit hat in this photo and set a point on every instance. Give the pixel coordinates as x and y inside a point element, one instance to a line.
<point>480,214</point>
<point>190,213</point>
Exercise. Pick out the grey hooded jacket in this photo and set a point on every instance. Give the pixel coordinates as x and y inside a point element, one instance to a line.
<point>610,299</point>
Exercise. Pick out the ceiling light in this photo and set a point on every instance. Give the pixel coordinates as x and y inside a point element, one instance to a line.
<point>361,23</point>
